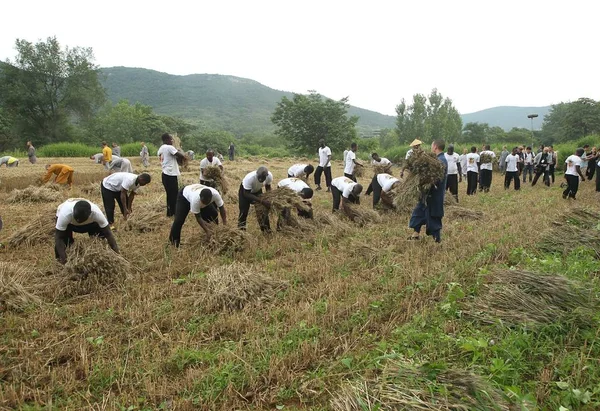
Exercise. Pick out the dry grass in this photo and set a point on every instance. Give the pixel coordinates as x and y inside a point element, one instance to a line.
<point>215,173</point>
<point>227,239</point>
<point>576,228</point>
<point>407,194</point>
<point>454,212</point>
<point>147,217</point>
<point>34,194</point>
<point>280,199</point>
<point>14,296</point>
<point>40,230</point>
<point>359,171</point>
<point>362,215</point>
<point>426,167</point>
<point>382,169</point>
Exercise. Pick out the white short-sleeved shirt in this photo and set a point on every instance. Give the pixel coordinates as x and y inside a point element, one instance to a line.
<point>169,161</point>
<point>472,160</point>
<point>121,181</point>
<point>345,154</point>
<point>64,215</point>
<point>192,194</point>
<point>528,158</point>
<point>384,162</point>
<point>408,154</point>
<point>324,153</point>
<point>297,170</point>
<point>344,184</point>
<point>488,166</point>
<point>350,157</point>
<point>452,160</point>
<point>294,184</point>
<point>572,162</point>
<point>251,182</point>
<point>512,163</point>
<point>386,181</point>
<point>205,163</point>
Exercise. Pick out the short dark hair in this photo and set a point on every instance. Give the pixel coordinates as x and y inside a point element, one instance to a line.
<point>165,137</point>
<point>374,155</point>
<point>104,143</point>
<point>473,149</point>
<point>206,195</point>
<point>487,146</point>
<point>82,210</point>
<point>307,193</point>
<point>309,169</point>
<point>586,145</point>
<point>146,177</point>
<point>528,148</point>
<point>353,145</point>
<point>579,151</point>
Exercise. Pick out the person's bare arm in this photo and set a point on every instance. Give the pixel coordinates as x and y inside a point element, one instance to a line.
<point>130,201</point>
<point>267,187</point>
<point>59,245</point>
<point>125,203</point>
<point>202,224</point>
<point>112,242</point>
<point>223,214</point>
<point>578,168</point>
<point>346,207</point>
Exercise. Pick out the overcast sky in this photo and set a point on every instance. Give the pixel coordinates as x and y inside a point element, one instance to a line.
<point>479,53</point>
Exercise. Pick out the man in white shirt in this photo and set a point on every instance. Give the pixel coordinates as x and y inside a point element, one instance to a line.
<point>382,184</point>
<point>381,165</point>
<point>463,162</point>
<point>209,161</point>
<point>80,216</point>
<point>528,158</point>
<point>573,173</point>
<point>203,202</point>
<point>415,145</point>
<point>486,158</point>
<point>344,191</point>
<point>324,166</point>
<point>454,171</point>
<point>304,192</point>
<point>250,193</point>
<point>169,157</point>
<point>121,187</point>
<point>300,171</point>
<point>351,162</point>
<point>512,169</point>
<point>472,171</point>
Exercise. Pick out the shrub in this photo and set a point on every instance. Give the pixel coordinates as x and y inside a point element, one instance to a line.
<point>67,150</point>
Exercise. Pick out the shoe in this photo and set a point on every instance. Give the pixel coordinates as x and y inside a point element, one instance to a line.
<point>319,188</point>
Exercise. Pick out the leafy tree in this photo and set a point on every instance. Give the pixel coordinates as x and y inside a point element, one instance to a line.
<point>46,88</point>
<point>475,133</point>
<point>571,121</point>
<point>305,119</point>
<point>200,141</point>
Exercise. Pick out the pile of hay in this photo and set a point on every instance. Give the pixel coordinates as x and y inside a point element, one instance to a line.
<point>234,286</point>
<point>227,239</point>
<point>426,167</point>
<point>91,188</point>
<point>39,230</point>
<point>581,217</point>
<point>14,296</point>
<point>522,297</point>
<point>280,199</point>
<point>146,218</point>
<point>362,216</point>
<point>449,200</point>
<point>34,194</point>
<point>405,386</point>
<point>215,173</point>
<point>359,171</point>
<point>406,195</point>
<point>577,228</point>
<point>485,158</point>
<point>462,212</point>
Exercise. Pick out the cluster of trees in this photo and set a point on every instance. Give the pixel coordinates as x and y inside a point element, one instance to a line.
<point>572,121</point>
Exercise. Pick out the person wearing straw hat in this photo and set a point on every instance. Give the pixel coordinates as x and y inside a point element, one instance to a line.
<point>415,145</point>
<point>250,193</point>
<point>63,173</point>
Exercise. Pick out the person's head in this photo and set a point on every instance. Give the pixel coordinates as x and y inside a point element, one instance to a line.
<point>82,211</point>
<point>551,147</point>
<point>465,151</point>
<point>322,143</point>
<point>206,196</point>
<point>586,147</point>
<point>416,144</point>
<point>486,147</point>
<point>104,144</point>
<point>353,146</point>
<point>28,143</point>
<point>262,173</point>
<point>515,150</point>
<point>309,169</point>
<point>451,149</point>
<point>143,144</point>
<point>92,157</point>
<point>210,154</point>
<point>503,147</point>
<point>356,190</point>
<point>519,149</point>
<point>167,139</point>
<point>579,152</point>
<point>144,179</point>
<point>438,146</point>
<point>473,149</point>
<point>49,165</point>
<point>546,150</point>
<point>114,144</point>
<point>528,149</point>
<point>306,193</point>
<point>376,157</point>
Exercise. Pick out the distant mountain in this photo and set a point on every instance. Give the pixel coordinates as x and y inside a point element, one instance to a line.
<point>229,103</point>
<point>508,117</point>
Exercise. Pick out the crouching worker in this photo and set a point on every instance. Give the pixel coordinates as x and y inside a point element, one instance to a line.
<point>250,192</point>
<point>382,184</point>
<point>63,173</point>
<point>121,187</point>
<point>344,192</point>
<point>301,171</point>
<point>304,191</point>
<point>203,202</point>
<point>79,216</point>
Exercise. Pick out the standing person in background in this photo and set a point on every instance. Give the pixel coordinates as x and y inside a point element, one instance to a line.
<point>430,211</point>
<point>454,171</point>
<point>552,165</point>
<point>541,163</point>
<point>106,154</point>
<point>169,155</point>
<point>63,173</point>
<point>486,168</point>
<point>116,149</point>
<point>324,166</point>
<point>121,187</point>
<point>472,171</point>
<point>528,164</point>
<point>521,159</point>
<point>540,149</point>
<point>9,161</point>
<point>463,162</point>
<point>231,151</point>
<point>302,171</point>
<point>31,153</point>
<point>145,156</point>
<point>502,161</point>
<point>591,159</point>
<point>597,174</point>
<point>344,156</point>
<point>250,193</point>
<point>415,145</point>
<point>584,160</point>
<point>512,169</point>
<point>573,173</point>
<point>209,161</point>
<point>351,162</point>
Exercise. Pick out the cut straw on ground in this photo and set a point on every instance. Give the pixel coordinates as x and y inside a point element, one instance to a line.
<point>280,199</point>
<point>34,194</point>
<point>40,230</point>
<point>14,295</point>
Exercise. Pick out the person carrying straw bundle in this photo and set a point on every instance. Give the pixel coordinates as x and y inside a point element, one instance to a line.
<point>304,191</point>
<point>121,187</point>
<point>209,161</point>
<point>414,146</point>
<point>472,171</point>
<point>486,158</point>
<point>250,193</point>
<point>345,191</point>
<point>63,173</point>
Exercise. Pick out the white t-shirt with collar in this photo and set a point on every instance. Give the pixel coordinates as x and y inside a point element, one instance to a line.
<point>169,161</point>
<point>205,163</point>
<point>572,162</point>
<point>512,163</point>
<point>64,215</point>
<point>344,184</point>
<point>384,162</point>
<point>452,160</point>
<point>294,184</point>
<point>324,153</point>
<point>350,157</point>
<point>192,194</point>
<point>487,166</point>
<point>297,170</point>
<point>121,181</point>
<point>251,182</point>
<point>528,158</point>
<point>472,160</point>
<point>386,181</point>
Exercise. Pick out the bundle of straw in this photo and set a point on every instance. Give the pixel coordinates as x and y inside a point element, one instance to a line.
<point>34,194</point>
<point>359,171</point>
<point>462,212</point>
<point>362,216</point>
<point>564,238</point>
<point>227,239</point>
<point>485,158</point>
<point>449,200</point>
<point>382,169</point>
<point>215,173</point>
<point>145,221</point>
<point>39,230</point>
<point>91,188</point>
<point>407,194</point>
<point>280,199</point>
<point>232,287</point>
<point>427,167</point>
<point>14,296</point>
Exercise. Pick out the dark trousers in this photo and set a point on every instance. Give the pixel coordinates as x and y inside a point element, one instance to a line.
<point>244,204</point>
<point>452,185</point>
<point>486,179</point>
<point>572,186</point>
<point>337,198</point>
<point>230,156</point>
<point>551,172</point>
<point>92,229</point>
<point>527,170</point>
<point>350,176</point>
<point>591,170</point>
<point>376,189</point>
<point>182,209</point>
<point>512,175</point>
<point>108,199</point>
<point>597,178</point>
<point>472,182</point>
<point>538,172</point>
<point>171,188</point>
<point>319,171</point>
<point>422,217</point>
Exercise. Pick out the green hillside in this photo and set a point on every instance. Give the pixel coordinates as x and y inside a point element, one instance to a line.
<point>507,117</point>
<point>222,102</point>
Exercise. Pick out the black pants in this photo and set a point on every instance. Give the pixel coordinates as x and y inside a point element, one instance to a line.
<point>171,188</point>
<point>208,184</point>
<point>591,170</point>
<point>486,179</point>
<point>376,189</point>
<point>108,199</point>
<point>527,171</point>
<point>452,185</point>
<point>551,172</point>
<point>182,209</point>
<point>572,186</point>
<point>319,171</point>
<point>472,182</point>
<point>92,229</point>
<point>337,198</point>
<point>597,178</point>
<point>244,204</point>
<point>538,172</point>
<point>512,175</point>
<point>350,176</point>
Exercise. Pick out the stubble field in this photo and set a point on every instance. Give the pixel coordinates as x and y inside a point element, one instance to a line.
<point>359,318</point>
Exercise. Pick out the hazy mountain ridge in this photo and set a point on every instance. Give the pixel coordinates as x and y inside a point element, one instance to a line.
<point>508,117</point>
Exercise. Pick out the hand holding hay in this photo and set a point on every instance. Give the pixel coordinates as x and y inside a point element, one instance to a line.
<point>359,171</point>
<point>216,174</point>
<point>280,199</point>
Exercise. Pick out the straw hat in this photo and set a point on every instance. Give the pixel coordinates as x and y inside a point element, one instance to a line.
<point>416,143</point>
